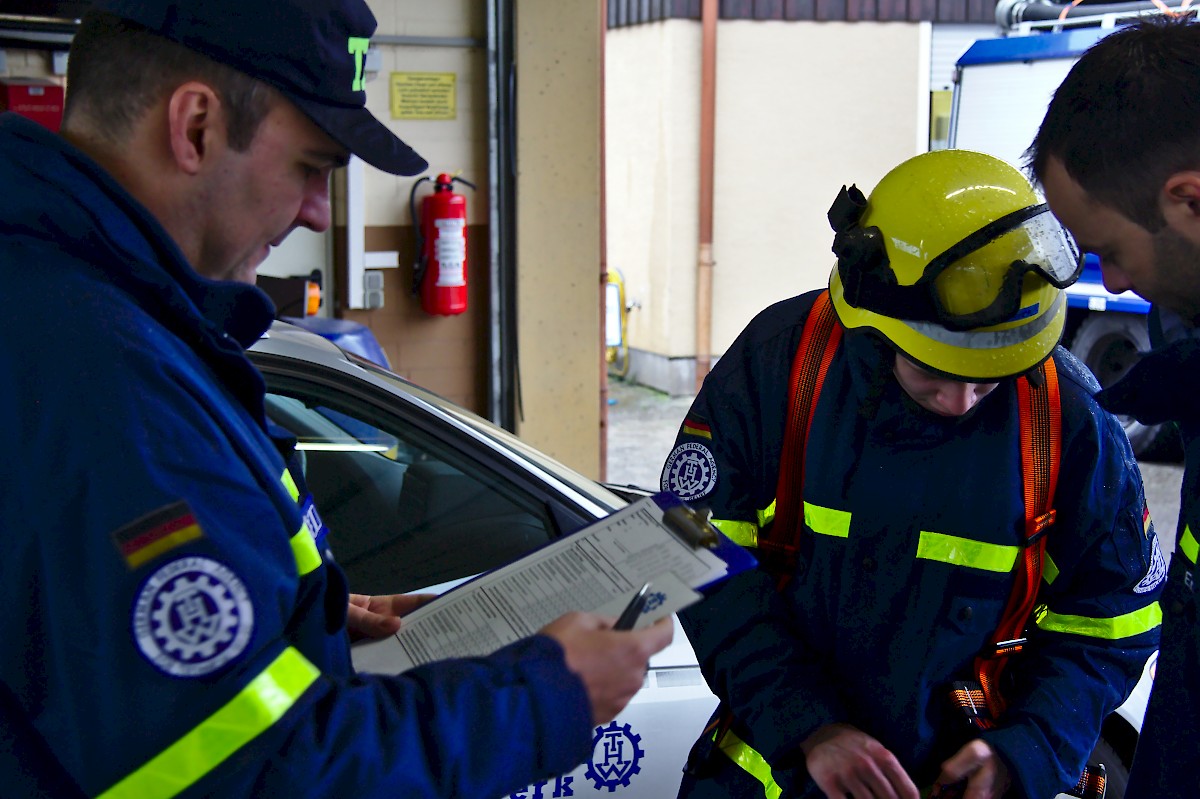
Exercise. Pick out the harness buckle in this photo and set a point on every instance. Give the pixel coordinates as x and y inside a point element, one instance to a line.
<point>1002,649</point>
<point>969,698</point>
<point>1038,526</point>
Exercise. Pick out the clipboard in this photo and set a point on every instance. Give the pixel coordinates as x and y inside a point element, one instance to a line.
<point>658,540</point>
<point>693,525</point>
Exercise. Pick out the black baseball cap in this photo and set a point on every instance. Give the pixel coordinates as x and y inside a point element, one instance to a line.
<point>313,51</point>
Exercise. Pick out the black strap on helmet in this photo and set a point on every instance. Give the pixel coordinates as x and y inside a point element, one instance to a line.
<point>863,266</point>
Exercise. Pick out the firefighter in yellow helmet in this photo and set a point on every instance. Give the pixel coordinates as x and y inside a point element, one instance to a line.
<point>924,475</point>
<point>957,263</point>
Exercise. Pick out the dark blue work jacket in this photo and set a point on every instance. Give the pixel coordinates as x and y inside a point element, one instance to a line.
<point>912,530</point>
<point>169,626</point>
<point>1164,387</point>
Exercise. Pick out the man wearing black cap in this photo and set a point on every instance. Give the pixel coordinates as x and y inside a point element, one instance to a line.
<point>169,626</point>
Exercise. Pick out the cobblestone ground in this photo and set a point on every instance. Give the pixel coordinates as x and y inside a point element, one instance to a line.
<point>642,424</point>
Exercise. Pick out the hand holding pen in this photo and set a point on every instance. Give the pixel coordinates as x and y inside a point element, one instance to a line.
<point>633,610</point>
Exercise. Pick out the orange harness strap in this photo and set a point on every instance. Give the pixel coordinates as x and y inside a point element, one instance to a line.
<point>819,341</point>
<point>1040,410</point>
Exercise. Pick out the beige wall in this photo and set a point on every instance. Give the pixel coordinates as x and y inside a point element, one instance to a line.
<point>449,145</point>
<point>558,220</point>
<point>652,101</point>
<point>802,107</point>
<point>448,354</point>
<point>29,64</point>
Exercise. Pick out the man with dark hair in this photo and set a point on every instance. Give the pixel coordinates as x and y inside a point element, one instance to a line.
<point>170,627</point>
<point>1118,155</point>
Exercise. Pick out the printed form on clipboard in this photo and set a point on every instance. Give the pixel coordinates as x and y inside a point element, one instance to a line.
<point>657,540</point>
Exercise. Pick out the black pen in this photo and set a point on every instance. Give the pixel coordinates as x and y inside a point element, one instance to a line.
<point>629,615</point>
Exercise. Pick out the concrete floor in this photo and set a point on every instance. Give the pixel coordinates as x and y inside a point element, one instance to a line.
<point>642,424</point>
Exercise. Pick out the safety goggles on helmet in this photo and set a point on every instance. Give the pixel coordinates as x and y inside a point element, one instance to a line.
<point>951,290</point>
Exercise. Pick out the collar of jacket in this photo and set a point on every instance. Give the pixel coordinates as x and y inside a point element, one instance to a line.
<point>1162,386</point>
<point>70,205</point>
<point>95,220</point>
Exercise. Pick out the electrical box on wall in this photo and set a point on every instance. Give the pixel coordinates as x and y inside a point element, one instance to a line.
<point>36,98</point>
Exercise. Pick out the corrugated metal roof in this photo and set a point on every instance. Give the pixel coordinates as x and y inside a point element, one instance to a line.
<point>622,13</point>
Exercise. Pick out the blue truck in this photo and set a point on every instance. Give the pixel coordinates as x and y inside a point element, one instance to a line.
<point>1001,89</point>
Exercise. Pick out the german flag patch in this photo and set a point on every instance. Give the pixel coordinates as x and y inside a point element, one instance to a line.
<point>157,532</point>
<point>695,426</point>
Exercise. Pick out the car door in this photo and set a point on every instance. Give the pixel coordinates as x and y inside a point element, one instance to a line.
<point>419,499</point>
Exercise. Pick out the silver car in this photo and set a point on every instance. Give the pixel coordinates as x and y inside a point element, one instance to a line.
<point>420,495</point>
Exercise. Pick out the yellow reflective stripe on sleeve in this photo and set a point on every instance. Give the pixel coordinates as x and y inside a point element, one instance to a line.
<point>742,533</point>
<point>259,705</point>
<point>766,515</point>
<point>965,552</point>
<point>290,485</point>
<point>1049,569</point>
<point>304,548</point>
<point>1188,545</point>
<point>1111,629</point>
<point>827,521</point>
<point>752,762</point>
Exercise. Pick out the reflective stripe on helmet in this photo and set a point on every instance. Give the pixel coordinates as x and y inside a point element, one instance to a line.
<point>751,762</point>
<point>988,339</point>
<point>249,714</point>
<point>1113,628</point>
<point>974,356</point>
<point>964,552</point>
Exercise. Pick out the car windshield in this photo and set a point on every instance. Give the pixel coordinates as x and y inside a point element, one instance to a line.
<point>501,437</point>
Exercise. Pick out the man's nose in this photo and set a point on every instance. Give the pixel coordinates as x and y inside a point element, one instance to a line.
<point>958,398</point>
<point>315,213</point>
<point>1114,279</point>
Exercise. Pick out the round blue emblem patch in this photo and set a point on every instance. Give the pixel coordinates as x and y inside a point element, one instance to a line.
<point>1157,571</point>
<point>616,756</point>
<point>691,471</point>
<point>192,616</point>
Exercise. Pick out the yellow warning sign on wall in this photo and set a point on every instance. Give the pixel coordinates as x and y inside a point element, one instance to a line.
<point>424,95</point>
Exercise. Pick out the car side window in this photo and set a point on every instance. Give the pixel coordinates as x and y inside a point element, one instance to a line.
<point>404,509</point>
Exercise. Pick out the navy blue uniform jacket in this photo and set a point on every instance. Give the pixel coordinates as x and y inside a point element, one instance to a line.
<point>1164,387</point>
<point>912,526</point>
<point>169,627</point>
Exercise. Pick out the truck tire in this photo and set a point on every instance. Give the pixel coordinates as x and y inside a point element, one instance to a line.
<point>1109,344</point>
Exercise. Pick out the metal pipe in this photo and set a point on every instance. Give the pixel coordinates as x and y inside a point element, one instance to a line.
<point>1011,13</point>
<point>504,383</point>
<point>495,374</point>
<point>603,252</point>
<point>434,41</point>
<point>705,263</point>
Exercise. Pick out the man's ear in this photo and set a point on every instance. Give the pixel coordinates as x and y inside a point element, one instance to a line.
<point>1181,203</point>
<point>194,126</point>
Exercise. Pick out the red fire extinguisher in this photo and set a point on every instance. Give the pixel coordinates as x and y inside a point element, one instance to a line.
<point>440,274</point>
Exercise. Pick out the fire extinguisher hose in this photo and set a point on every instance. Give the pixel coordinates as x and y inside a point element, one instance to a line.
<point>420,263</point>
